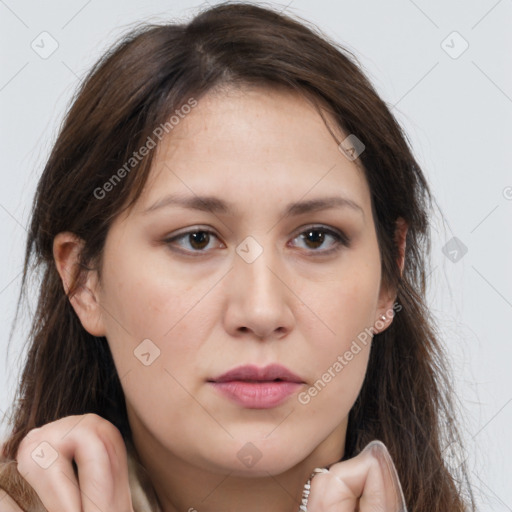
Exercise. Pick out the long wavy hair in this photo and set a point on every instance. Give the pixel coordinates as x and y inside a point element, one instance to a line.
<point>154,70</point>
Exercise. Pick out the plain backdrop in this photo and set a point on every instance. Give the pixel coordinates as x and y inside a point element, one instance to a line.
<point>444,70</point>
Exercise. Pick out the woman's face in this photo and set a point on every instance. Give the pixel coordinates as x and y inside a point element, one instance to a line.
<point>249,264</point>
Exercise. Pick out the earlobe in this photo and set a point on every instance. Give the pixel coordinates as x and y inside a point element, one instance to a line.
<point>81,286</point>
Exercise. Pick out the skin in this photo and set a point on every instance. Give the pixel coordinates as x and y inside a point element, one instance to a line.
<point>296,304</point>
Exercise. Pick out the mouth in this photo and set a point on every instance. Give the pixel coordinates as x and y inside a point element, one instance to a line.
<point>251,373</point>
<point>257,388</point>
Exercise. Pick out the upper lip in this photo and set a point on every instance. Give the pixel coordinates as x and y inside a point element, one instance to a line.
<point>251,372</point>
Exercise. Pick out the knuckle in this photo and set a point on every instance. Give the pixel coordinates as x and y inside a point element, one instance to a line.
<point>108,430</point>
<point>91,418</point>
<point>97,422</point>
<point>95,425</point>
<point>100,434</point>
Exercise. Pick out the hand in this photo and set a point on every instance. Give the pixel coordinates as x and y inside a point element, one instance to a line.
<point>365,483</point>
<point>45,458</point>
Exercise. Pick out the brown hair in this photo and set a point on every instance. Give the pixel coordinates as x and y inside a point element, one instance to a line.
<point>136,87</point>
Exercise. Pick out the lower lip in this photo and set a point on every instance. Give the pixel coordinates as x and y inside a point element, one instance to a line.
<point>257,395</point>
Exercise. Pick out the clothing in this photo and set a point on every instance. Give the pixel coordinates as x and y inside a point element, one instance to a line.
<point>11,481</point>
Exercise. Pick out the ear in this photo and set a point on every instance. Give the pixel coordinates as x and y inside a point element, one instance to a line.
<point>385,310</point>
<point>85,298</point>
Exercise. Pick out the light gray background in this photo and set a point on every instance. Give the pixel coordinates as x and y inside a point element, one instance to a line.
<point>456,111</point>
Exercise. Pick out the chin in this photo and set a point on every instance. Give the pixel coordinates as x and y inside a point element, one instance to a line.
<point>255,457</point>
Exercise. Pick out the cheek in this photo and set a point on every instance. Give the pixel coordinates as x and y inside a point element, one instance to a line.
<point>341,341</point>
<point>339,361</point>
<point>144,300</point>
<point>151,320</point>
<point>154,330</point>
<point>344,306</point>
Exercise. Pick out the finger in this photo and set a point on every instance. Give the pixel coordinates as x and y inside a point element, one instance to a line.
<point>368,481</point>
<point>383,484</point>
<point>102,470</point>
<point>330,494</point>
<point>97,448</point>
<point>50,475</point>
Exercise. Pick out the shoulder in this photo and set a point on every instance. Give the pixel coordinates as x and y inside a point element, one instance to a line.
<point>7,504</point>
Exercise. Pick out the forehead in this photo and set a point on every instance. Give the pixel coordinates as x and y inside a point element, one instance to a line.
<point>251,142</point>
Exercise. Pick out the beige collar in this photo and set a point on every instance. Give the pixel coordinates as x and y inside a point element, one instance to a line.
<point>143,495</point>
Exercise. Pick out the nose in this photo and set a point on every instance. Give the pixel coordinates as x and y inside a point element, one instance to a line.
<point>259,300</point>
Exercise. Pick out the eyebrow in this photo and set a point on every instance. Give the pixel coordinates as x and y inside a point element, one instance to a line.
<point>214,204</point>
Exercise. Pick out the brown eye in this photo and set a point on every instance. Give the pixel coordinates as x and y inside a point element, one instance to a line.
<point>199,239</point>
<point>194,241</point>
<point>317,237</point>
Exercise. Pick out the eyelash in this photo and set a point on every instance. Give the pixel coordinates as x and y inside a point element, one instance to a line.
<point>341,240</point>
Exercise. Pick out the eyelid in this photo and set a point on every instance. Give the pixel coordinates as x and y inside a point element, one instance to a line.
<point>323,227</point>
<point>193,229</point>
<point>341,238</point>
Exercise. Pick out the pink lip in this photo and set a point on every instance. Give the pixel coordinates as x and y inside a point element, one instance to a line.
<point>257,388</point>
